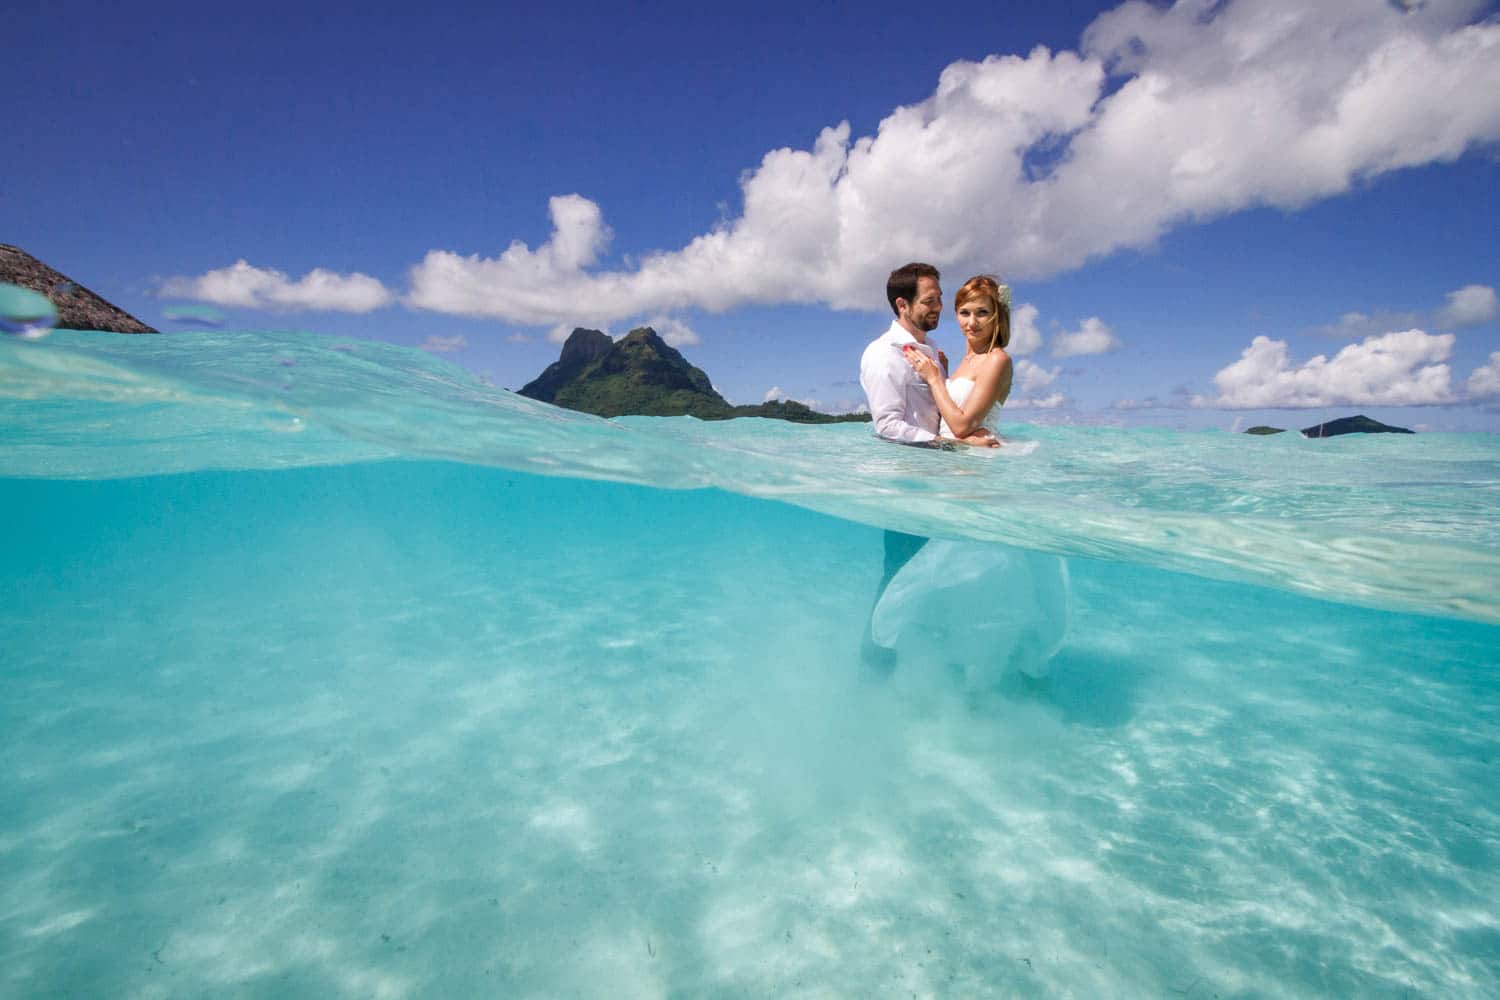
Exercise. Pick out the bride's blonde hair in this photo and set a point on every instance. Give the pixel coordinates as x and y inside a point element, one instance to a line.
<point>982,286</point>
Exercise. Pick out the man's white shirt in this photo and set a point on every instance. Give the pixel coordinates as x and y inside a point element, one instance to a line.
<point>901,405</point>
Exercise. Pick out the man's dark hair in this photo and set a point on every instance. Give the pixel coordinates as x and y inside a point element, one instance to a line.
<point>902,284</point>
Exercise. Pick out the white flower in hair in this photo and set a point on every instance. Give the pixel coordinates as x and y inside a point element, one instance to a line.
<point>1004,291</point>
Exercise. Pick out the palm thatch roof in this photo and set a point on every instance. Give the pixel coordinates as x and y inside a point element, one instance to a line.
<point>77,307</point>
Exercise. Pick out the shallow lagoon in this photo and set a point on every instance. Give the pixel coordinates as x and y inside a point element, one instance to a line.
<point>318,713</point>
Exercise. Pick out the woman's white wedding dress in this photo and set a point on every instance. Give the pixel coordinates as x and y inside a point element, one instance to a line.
<point>958,391</point>
<point>987,607</point>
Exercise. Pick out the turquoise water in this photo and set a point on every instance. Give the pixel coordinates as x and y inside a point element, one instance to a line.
<point>330,671</point>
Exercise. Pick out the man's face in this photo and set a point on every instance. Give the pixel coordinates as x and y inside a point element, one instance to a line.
<point>923,314</point>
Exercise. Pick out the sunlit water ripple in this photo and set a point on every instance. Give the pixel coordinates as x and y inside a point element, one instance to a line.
<point>1398,521</point>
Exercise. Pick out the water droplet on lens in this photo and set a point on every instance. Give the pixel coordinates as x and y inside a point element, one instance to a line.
<point>26,314</point>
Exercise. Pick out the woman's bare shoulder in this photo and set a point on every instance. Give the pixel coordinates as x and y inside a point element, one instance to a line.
<point>994,361</point>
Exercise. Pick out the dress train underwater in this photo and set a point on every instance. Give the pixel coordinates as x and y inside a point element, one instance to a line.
<point>985,607</point>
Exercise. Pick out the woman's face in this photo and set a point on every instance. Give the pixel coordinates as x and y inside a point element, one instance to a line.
<point>976,318</point>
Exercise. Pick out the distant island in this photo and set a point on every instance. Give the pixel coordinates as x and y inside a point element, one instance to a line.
<point>77,307</point>
<point>642,375</point>
<point>1344,425</point>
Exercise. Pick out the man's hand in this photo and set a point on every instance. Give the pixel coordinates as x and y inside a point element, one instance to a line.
<point>943,360</point>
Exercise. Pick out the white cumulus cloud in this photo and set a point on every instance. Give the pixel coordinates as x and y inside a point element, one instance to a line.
<point>1406,368</point>
<point>1093,336</point>
<point>675,332</point>
<point>560,333</point>
<point>539,287</point>
<point>1031,376</point>
<point>1469,306</point>
<point>1354,325</point>
<point>444,345</point>
<point>1051,401</point>
<point>1031,165</point>
<point>1030,379</point>
<point>773,394</point>
<point>1025,338</point>
<point>246,286</point>
<point>1485,381</point>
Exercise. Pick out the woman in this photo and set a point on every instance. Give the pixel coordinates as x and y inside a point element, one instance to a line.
<point>980,384</point>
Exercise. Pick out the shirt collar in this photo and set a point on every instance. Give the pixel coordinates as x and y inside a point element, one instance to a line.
<point>898,334</point>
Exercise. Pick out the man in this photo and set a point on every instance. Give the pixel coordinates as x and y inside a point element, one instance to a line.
<point>901,404</point>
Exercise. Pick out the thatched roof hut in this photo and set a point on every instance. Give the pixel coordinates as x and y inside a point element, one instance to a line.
<point>77,307</point>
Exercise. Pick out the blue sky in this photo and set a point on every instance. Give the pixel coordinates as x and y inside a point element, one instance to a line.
<point>1212,214</point>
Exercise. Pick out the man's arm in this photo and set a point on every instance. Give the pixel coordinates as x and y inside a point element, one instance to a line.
<point>885,390</point>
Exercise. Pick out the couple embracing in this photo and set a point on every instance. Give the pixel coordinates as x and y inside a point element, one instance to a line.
<point>983,608</point>
<point>912,397</point>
